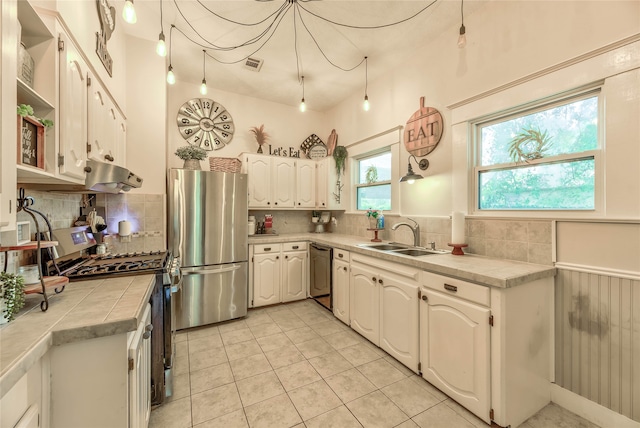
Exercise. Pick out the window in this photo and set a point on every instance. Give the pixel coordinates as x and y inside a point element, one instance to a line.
<point>373,187</point>
<point>543,158</point>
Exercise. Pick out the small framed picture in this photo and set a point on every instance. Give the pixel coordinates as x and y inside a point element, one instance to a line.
<point>30,142</point>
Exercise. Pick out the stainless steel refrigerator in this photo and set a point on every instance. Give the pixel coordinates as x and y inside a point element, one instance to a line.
<point>208,232</point>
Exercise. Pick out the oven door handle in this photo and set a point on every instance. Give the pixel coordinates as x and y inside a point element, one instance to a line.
<point>222,269</point>
<point>176,282</point>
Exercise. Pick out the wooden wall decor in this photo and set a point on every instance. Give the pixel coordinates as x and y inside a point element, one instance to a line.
<point>423,130</point>
<point>30,142</point>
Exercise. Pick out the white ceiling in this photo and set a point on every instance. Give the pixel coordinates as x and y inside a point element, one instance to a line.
<point>325,85</point>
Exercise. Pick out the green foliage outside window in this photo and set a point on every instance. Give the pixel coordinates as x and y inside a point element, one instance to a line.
<point>540,161</point>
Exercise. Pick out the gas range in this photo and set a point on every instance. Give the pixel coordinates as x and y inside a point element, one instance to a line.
<point>119,265</point>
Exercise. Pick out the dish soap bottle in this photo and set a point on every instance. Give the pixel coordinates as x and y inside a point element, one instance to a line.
<point>381,221</point>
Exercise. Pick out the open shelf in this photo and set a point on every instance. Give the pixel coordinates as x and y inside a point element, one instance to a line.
<point>49,282</point>
<point>33,245</point>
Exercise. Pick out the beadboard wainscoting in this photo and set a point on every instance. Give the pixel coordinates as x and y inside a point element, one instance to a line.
<point>598,337</point>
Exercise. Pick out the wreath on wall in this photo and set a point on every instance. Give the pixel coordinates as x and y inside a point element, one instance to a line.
<point>528,145</point>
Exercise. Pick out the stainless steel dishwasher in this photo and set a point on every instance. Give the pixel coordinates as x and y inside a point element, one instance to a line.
<point>320,284</point>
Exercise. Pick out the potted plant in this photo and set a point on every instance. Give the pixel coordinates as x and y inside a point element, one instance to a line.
<point>191,155</point>
<point>11,295</point>
<point>372,215</point>
<point>260,135</point>
<point>340,156</point>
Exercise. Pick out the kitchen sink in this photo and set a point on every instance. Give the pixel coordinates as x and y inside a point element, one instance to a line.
<point>414,252</point>
<point>406,250</point>
<point>384,247</point>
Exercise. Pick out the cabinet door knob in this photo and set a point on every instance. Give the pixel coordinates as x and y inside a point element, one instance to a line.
<point>373,278</point>
<point>345,268</point>
<point>295,247</point>
<point>424,298</point>
<point>286,257</point>
<point>268,203</point>
<point>379,281</point>
<point>267,249</point>
<point>275,203</point>
<point>277,257</point>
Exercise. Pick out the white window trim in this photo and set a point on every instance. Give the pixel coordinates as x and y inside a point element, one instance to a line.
<point>583,71</point>
<point>386,140</point>
<point>529,108</point>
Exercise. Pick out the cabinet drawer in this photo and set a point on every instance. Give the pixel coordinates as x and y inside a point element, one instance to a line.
<point>266,248</point>
<point>339,254</point>
<point>455,287</point>
<point>294,246</point>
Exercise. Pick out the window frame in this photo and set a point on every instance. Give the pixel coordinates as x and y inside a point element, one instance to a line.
<point>357,185</point>
<point>597,154</point>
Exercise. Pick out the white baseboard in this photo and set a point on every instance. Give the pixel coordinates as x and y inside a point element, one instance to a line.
<point>590,410</point>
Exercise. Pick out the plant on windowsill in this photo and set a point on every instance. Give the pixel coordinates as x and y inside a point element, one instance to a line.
<point>372,215</point>
<point>528,145</point>
<point>191,155</point>
<point>11,295</point>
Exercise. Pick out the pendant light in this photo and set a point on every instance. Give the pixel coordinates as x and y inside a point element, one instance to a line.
<point>462,38</point>
<point>129,12</point>
<point>411,176</point>
<point>303,106</point>
<point>203,87</point>
<point>171,78</point>
<point>161,47</point>
<point>365,104</point>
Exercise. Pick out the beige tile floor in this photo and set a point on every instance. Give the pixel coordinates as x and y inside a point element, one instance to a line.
<point>295,365</point>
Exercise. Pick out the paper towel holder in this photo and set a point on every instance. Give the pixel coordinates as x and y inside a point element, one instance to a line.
<point>124,231</point>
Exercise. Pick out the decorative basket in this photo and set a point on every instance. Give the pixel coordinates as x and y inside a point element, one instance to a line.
<point>225,164</point>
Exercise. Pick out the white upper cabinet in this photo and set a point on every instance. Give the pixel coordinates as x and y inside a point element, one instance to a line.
<point>73,109</point>
<point>322,180</point>
<point>258,169</point>
<point>305,183</point>
<point>283,187</point>
<point>102,124</point>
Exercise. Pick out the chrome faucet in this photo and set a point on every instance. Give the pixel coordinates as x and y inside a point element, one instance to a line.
<point>415,228</point>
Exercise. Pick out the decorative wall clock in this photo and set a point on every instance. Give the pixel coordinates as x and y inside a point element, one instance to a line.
<point>205,123</point>
<point>423,131</point>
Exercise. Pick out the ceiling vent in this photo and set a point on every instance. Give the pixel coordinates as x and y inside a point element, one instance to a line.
<point>254,64</point>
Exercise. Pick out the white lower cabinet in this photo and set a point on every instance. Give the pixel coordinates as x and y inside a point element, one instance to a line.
<point>399,318</point>
<point>91,381</point>
<point>384,306</point>
<point>24,405</point>
<point>294,273</point>
<point>280,273</point>
<point>454,349</point>
<point>266,275</point>
<point>340,282</point>
<point>364,302</point>
<point>489,348</point>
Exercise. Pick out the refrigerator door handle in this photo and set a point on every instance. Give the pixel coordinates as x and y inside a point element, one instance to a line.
<point>222,269</point>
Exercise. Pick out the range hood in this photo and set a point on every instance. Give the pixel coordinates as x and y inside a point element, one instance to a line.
<point>109,178</point>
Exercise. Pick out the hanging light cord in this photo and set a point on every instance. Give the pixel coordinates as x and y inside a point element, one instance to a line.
<point>366,75</point>
<point>274,19</point>
<point>161,26</point>
<point>171,42</point>
<point>462,12</point>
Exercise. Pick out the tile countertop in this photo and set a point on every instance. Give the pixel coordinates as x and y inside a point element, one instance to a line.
<point>84,310</point>
<point>479,269</point>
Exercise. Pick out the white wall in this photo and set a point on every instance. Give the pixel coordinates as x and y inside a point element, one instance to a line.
<point>286,126</point>
<point>507,40</point>
<point>146,126</point>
